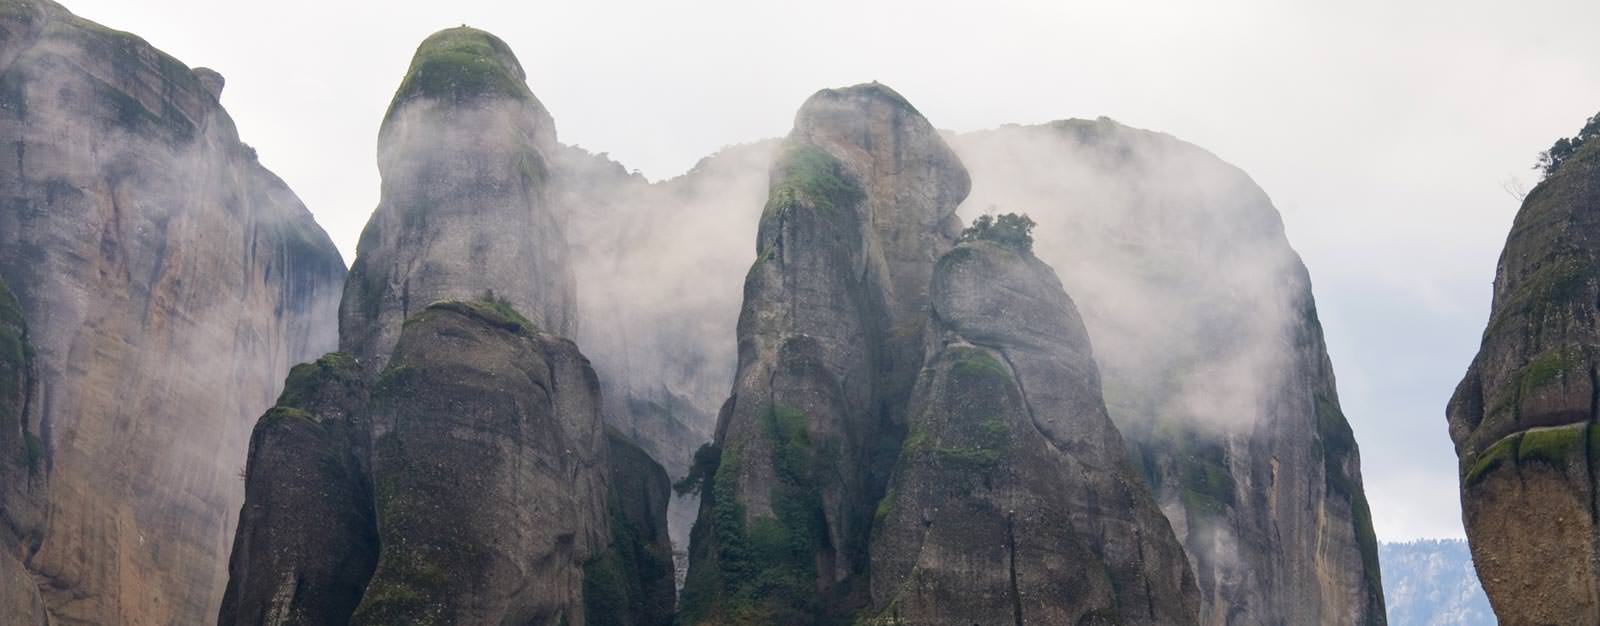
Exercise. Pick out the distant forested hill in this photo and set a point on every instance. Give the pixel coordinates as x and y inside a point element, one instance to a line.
<point>1432,583</point>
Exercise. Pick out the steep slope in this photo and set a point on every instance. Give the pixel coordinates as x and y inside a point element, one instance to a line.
<point>1013,500</point>
<point>1212,359</point>
<point>861,201</point>
<point>168,281</point>
<point>1431,582</point>
<point>1523,418</point>
<point>464,153</point>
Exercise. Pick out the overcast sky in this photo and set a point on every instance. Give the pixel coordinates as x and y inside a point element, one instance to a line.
<point>1385,131</point>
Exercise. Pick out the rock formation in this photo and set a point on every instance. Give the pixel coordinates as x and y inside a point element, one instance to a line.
<point>475,484</point>
<point>307,539</point>
<point>861,202</point>
<point>1212,358</point>
<point>1013,500</point>
<point>1524,417</point>
<point>464,153</point>
<point>168,282</point>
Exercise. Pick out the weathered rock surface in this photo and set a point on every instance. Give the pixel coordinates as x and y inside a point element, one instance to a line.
<point>464,153</point>
<point>861,202</point>
<point>22,511</point>
<point>1524,417</point>
<point>307,540</point>
<point>488,466</point>
<point>168,281</point>
<point>1013,500</point>
<point>1212,359</point>
<point>475,484</point>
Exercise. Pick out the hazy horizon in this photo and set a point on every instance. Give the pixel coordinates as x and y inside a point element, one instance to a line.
<point>1386,135</point>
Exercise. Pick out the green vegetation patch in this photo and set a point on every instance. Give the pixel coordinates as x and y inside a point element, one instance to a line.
<point>808,175</point>
<point>616,582</point>
<point>977,363</point>
<point>1556,447</point>
<point>491,309</point>
<point>1546,368</point>
<point>459,65</point>
<point>1555,282</point>
<point>1010,230</point>
<point>1503,451</point>
<point>300,387</point>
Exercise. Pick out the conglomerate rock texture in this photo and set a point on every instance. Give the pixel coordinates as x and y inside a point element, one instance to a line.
<point>1524,417</point>
<point>1013,500</point>
<point>464,153</point>
<point>862,200</point>
<point>168,282</point>
<point>1212,358</point>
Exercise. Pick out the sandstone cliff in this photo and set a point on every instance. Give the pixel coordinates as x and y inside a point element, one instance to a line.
<point>1013,500</point>
<point>1212,359</point>
<point>22,511</point>
<point>1524,417</point>
<point>168,281</point>
<point>464,153</point>
<point>861,202</point>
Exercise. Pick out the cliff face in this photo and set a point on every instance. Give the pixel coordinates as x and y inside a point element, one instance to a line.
<point>1212,358</point>
<point>168,281</point>
<point>1523,419</point>
<point>464,153</point>
<point>861,202</point>
<point>1013,500</point>
<point>22,512</point>
<point>488,469</point>
<point>307,539</point>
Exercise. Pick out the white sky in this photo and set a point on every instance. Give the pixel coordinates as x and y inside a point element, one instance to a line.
<point>1383,130</point>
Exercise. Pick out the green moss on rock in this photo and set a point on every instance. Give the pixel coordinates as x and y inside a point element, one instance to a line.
<point>495,311</point>
<point>808,175</point>
<point>459,65</point>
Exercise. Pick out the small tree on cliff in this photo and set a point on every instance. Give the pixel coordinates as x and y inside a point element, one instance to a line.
<point>1565,147</point>
<point>1009,229</point>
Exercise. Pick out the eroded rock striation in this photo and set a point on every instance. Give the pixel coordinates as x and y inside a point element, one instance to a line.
<point>1212,358</point>
<point>1013,500</point>
<point>22,506</point>
<point>1524,417</point>
<point>464,153</point>
<point>168,281</point>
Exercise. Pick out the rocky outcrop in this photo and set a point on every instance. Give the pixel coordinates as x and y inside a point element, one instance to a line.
<point>1212,358</point>
<point>464,153</point>
<point>488,468</point>
<point>474,484</point>
<point>1524,418</point>
<point>168,281</point>
<point>861,202</point>
<point>307,540</point>
<point>1013,500</point>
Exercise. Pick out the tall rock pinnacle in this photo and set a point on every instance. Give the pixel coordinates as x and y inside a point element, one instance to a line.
<point>1524,417</point>
<point>464,155</point>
